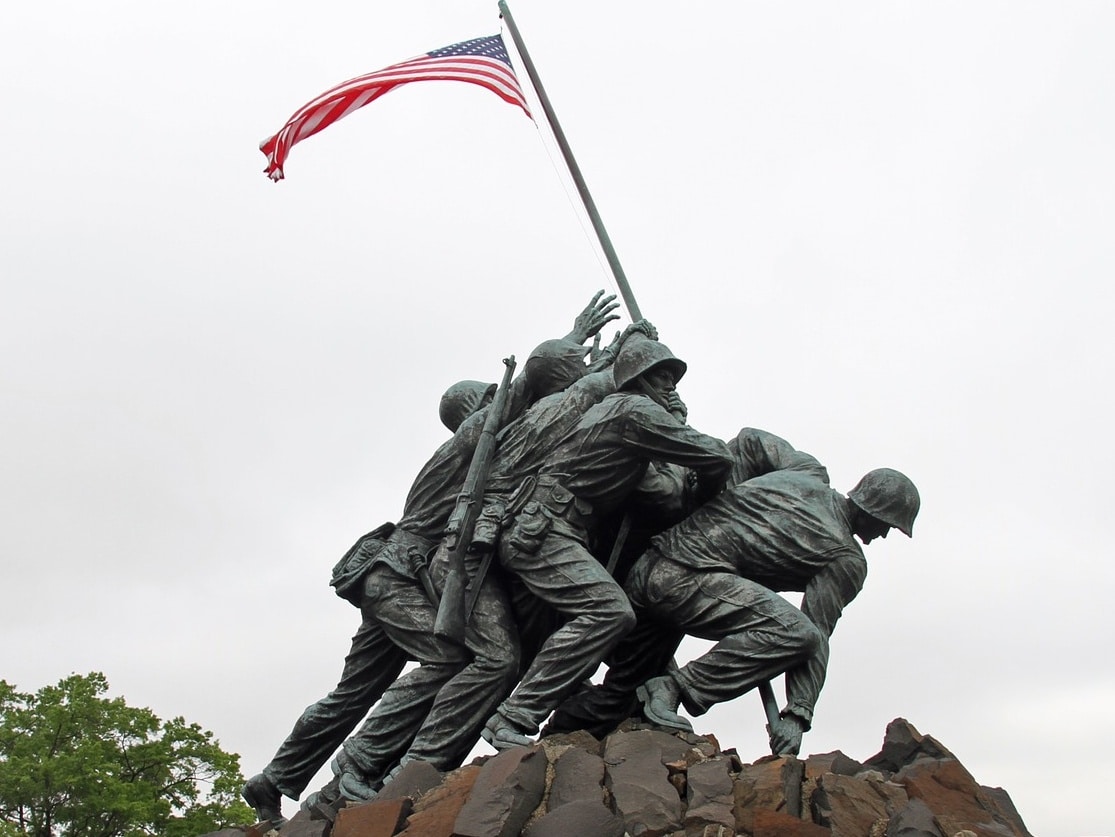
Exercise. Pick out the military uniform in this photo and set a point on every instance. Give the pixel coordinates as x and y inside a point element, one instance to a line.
<point>589,474</point>
<point>717,575</point>
<point>397,626</point>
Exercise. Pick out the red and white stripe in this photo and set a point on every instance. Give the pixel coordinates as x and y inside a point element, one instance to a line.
<point>353,94</point>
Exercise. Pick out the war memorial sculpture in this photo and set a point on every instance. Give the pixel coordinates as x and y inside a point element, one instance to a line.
<point>574,518</point>
<point>572,447</point>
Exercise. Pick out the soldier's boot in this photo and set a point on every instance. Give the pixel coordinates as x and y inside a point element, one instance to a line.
<point>323,804</point>
<point>660,697</point>
<point>593,709</point>
<point>261,794</point>
<point>350,782</point>
<point>347,785</point>
<point>501,734</point>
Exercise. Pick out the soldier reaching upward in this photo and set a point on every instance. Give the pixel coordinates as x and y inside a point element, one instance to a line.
<point>588,474</point>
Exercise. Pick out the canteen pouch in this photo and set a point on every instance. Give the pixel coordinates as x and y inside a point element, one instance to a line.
<point>554,503</point>
<point>531,526</point>
<point>349,572</point>
<point>498,516</point>
<point>489,525</point>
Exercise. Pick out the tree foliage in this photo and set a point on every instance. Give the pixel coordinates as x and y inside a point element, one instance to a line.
<point>76,764</point>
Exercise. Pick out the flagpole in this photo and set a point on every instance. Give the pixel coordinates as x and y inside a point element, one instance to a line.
<point>769,702</point>
<point>574,170</point>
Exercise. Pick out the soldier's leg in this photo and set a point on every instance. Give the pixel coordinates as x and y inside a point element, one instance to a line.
<point>372,664</point>
<point>644,653</point>
<point>535,620</point>
<point>563,574</point>
<point>760,634</point>
<point>466,701</point>
<point>407,616</point>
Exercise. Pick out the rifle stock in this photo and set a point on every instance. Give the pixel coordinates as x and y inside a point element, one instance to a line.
<point>451,614</point>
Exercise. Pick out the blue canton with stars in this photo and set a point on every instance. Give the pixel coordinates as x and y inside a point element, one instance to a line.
<point>490,47</point>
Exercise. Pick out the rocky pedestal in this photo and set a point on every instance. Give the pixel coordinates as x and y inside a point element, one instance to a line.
<point>644,782</point>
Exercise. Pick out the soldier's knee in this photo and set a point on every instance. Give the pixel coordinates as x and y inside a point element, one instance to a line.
<point>618,615</point>
<point>510,671</point>
<point>807,637</point>
<point>499,663</point>
<point>506,665</point>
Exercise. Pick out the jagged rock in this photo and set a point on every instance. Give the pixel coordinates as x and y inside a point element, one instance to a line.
<point>706,743</point>
<point>793,772</point>
<point>580,739</point>
<point>819,763</point>
<point>678,779</point>
<point>578,777</point>
<point>230,832</point>
<point>772,783</point>
<point>958,802</point>
<point>855,806</point>
<point>666,785</point>
<point>303,824</point>
<point>709,796</point>
<point>914,820</point>
<point>709,830</point>
<point>998,801</point>
<point>842,765</point>
<point>737,763</point>
<point>636,773</point>
<point>379,818</point>
<point>412,781</point>
<point>903,744</point>
<point>813,768</point>
<point>436,812</point>
<point>507,790</point>
<point>767,823</point>
<point>579,817</point>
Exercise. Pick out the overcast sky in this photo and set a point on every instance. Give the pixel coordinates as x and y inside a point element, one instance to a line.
<point>881,230</point>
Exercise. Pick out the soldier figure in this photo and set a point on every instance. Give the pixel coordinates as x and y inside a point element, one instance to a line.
<point>716,575</point>
<point>587,475</point>
<point>571,462</point>
<point>389,585</point>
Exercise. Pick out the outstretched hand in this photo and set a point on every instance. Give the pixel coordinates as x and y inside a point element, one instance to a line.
<point>785,736</point>
<point>609,355</point>
<point>597,314</point>
<point>644,327</point>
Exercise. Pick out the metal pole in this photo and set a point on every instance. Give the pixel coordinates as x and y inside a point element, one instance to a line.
<point>770,705</point>
<point>574,170</point>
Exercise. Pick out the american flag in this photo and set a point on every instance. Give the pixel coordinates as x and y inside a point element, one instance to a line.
<point>482,61</point>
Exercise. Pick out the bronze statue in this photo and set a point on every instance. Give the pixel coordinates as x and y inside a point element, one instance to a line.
<point>588,474</point>
<point>451,726</point>
<point>397,625</point>
<point>716,575</point>
<point>584,445</point>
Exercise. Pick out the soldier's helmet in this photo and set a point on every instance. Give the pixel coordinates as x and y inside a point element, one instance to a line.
<point>890,496</point>
<point>462,400</point>
<point>639,355</point>
<point>554,365</point>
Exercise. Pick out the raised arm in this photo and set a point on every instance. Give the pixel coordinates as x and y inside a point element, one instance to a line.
<point>597,314</point>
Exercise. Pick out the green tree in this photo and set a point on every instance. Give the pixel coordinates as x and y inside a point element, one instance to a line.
<point>76,764</point>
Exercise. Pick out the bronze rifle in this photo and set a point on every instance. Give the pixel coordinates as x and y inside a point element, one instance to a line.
<point>452,613</point>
